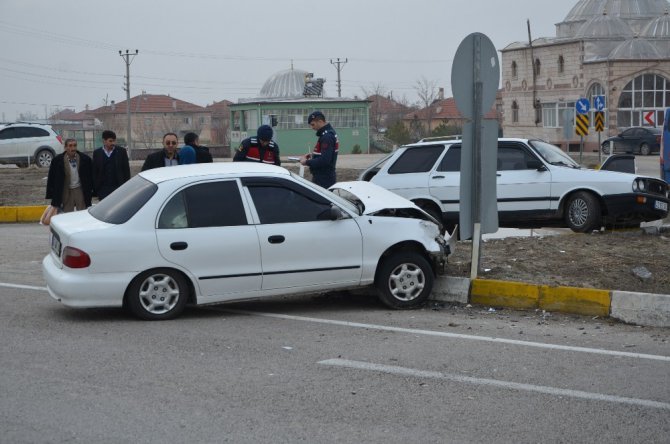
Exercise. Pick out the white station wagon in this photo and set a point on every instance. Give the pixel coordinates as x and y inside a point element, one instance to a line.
<point>538,185</point>
<point>210,233</point>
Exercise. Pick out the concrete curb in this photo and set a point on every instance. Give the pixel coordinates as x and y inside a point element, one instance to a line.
<point>21,214</point>
<point>652,310</point>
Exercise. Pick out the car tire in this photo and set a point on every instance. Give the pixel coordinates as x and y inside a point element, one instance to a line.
<point>158,294</point>
<point>644,149</point>
<point>404,280</point>
<point>43,158</point>
<point>582,212</point>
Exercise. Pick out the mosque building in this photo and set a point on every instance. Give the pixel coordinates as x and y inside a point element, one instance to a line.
<point>616,49</point>
<point>286,100</point>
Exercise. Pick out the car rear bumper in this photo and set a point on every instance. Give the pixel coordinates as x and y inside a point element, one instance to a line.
<point>636,207</point>
<point>80,289</point>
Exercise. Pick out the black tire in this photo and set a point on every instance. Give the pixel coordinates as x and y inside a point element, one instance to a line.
<point>644,149</point>
<point>582,212</point>
<point>158,294</point>
<point>404,280</point>
<point>43,158</point>
<point>435,212</point>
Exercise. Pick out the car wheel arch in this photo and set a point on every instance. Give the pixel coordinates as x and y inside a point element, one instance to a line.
<point>405,246</point>
<point>599,205</point>
<point>428,205</point>
<point>192,298</point>
<point>566,197</point>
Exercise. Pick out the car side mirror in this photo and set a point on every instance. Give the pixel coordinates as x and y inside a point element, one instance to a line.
<point>332,213</point>
<point>535,165</point>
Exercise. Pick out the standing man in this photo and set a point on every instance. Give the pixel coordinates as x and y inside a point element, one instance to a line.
<point>260,148</point>
<point>111,167</point>
<point>322,160</point>
<point>202,154</point>
<point>166,157</point>
<point>70,180</point>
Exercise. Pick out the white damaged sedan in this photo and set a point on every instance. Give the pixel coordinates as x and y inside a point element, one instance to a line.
<point>211,233</point>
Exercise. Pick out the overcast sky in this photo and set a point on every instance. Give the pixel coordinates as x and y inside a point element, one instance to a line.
<point>58,54</point>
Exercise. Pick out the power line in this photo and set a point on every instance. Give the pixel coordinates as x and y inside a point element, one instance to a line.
<point>128,58</point>
<point>339,65</point>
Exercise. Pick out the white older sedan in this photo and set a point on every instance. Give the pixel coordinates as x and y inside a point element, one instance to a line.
<point>211,233</point>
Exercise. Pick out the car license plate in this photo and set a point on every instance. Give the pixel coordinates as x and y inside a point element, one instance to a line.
<point>663,206</point>
<point>55,243</point>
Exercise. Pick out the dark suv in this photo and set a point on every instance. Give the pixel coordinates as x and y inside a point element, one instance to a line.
<point>25,143</point>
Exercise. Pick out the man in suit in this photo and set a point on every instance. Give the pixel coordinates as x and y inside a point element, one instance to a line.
<point>111,167</point>
<point>70,179</point>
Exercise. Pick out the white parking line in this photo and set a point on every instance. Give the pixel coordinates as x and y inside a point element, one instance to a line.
<point>450,335</point>
<point>23,287</point>
<point>404,371</point>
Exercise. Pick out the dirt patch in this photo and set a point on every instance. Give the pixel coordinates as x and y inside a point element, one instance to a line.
<point>613,260</point>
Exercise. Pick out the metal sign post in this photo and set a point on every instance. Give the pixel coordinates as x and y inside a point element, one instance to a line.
<point>599,124</point>
<point>475,76</point>
<point>582,107</point>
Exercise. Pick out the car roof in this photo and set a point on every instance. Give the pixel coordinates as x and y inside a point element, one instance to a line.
<point>157,175</point>
<point>454,141</point>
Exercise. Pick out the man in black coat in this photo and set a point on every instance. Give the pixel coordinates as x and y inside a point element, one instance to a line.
<point>70,179</point>
<point>202,154</point>
<point>166,157</point>
<point>111,167</point>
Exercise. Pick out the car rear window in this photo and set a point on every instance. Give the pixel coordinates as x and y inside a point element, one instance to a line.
<point>417,160</point>
<point>122,204</point>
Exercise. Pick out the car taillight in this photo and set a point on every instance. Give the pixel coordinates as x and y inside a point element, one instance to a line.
<point>60,138</point>
<point>75,258</point>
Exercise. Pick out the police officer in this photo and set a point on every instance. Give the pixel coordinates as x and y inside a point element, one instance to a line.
<point>322,160</point>
<point>259,149</point>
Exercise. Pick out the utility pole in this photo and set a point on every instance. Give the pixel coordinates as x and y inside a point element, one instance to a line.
<point>128,57</point>
<point>339,65</point>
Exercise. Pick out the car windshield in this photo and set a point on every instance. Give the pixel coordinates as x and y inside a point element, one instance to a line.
<point>332,196</point>
<point>553,154</point>
<point>122,204</point>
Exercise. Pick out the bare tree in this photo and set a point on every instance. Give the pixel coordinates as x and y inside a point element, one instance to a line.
<point>427,92</point>
<point>375,94</point>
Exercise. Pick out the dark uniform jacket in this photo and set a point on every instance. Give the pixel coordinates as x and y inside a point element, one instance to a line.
<point>324,157</point>
<point>202,154</point>
<point>111,172</point>
<point>56,179</point>
<point>250,150</point>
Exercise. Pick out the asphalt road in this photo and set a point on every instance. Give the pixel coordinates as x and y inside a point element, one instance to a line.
<point>331,368</point>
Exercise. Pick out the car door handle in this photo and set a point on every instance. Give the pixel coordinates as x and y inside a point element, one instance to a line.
<point>437,177</point>
<point>178,245</point>
<point>277,239</point>
<point>498,174</point>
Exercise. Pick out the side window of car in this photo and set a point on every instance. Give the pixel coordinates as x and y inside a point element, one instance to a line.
<point>28,131</point>
<point>211,204</point>
<point>451,162</point>
<point>417,160</point>
<point>276,204</point>
<point>8,133</point>
<point>512,158</point>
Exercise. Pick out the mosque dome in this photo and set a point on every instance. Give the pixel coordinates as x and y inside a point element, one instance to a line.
<point>604,26</point>
<point>289,83</point>
<point>658,28</point>
<point>636,13</point>
<point>635,49</point>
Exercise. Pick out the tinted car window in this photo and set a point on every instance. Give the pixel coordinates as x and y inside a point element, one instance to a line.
<point>276,204</point>
<point>9,133</point>
<point>212,204</point>
<point>451,160</point>
<point>417,160</point>
<point>28,131</point>
<point>122,204</point>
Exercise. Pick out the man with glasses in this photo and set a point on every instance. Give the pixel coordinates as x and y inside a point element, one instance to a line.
<point>111,167</point>
<point>166,157</point>
<point>70,180</point>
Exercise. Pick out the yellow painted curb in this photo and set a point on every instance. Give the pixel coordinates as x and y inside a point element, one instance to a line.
<point>30,214</point>
<point>585,301</point>
<point>8,214</point>
<point>22,214</point>
<point>504,293</point>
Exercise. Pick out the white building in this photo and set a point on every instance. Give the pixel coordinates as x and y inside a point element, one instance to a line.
<point>619,49</point>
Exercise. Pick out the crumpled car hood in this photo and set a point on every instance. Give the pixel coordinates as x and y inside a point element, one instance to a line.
<point>377,199</point>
